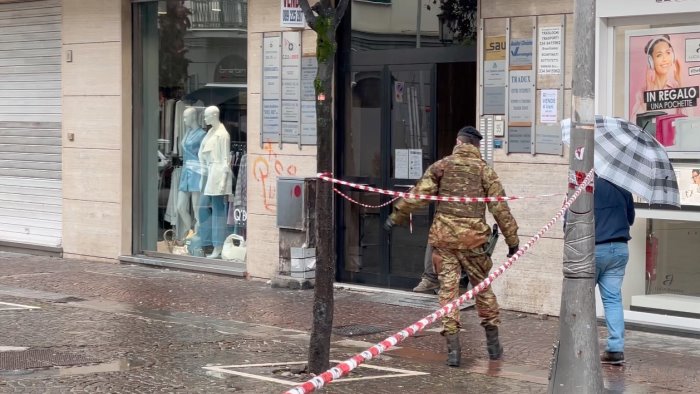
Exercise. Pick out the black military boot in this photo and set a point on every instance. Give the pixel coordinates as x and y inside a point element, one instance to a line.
<point>454,350</point>
<point>493,345</point>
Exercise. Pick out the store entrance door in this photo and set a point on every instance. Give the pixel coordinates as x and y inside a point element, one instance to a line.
<point>390,141</point>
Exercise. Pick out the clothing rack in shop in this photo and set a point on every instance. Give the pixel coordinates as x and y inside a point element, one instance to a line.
<point>238,150</point>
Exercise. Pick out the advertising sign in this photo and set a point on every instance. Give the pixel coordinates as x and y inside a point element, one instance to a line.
<point>292,15</point>
<point>663,71</point>
<point>550,51</point>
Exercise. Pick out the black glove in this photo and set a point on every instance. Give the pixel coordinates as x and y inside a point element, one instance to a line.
<point>388,224</point>
<point>513,250</point>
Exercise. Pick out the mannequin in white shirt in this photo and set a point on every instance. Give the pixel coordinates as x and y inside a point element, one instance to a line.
<point>191,177</point>
<point>216,183</point>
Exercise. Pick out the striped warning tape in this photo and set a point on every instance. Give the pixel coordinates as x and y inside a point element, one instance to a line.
<point>361,204</point>
<point>348,365</point>
<point>465,199</point>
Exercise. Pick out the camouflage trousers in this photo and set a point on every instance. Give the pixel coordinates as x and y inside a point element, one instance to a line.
<point>477,267</point>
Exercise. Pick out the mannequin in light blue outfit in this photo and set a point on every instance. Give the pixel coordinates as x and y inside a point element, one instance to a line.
<point>190,179</point>
<point>217,182</point>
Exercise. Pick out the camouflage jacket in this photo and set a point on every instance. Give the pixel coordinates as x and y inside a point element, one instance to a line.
<point>461,225</point>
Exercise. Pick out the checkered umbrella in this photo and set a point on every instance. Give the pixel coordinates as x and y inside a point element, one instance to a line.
<point>632,159</point>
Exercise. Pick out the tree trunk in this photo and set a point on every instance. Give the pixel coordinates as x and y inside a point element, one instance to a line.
<point>325,21</point>
<point>576,365</point>
<point>320,343</point>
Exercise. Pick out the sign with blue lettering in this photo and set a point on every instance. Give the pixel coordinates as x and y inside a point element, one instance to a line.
<point>520,52</point>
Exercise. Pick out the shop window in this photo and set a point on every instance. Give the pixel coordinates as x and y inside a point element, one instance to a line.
<point>190,127</point>
<point>672,250</point>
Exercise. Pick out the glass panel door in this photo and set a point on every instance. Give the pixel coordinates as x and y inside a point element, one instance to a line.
<point>388,144</point>
<point>411,152</point>
<point>362,163</point>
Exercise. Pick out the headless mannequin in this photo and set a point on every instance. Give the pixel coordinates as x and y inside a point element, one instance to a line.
<point>217,182</point>
<point>189,188</point>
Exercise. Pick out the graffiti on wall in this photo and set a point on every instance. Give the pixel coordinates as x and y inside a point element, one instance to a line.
<point>266,169</point>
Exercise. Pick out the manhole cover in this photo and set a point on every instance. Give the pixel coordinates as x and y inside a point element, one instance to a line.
<point>358,329</point>
<point>39,358</point>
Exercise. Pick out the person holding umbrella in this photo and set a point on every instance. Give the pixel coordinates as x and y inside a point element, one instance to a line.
<point>614,214</point>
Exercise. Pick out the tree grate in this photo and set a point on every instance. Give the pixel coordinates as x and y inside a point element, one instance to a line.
<point>353,330</point>
<point>39,358</point>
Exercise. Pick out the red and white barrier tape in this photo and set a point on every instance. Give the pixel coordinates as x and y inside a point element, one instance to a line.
<point>397,194</point>
<point>364,205</point>
<point>348,365</point>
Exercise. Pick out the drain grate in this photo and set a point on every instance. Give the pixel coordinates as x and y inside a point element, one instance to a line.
<point>358,329</point>
<point>39,358</point>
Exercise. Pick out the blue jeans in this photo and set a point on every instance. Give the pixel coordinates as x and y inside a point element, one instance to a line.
<point>611,260</point>
<point>212,215</point>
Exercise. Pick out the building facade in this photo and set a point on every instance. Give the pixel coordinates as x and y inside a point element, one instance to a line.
<point>111,150</point>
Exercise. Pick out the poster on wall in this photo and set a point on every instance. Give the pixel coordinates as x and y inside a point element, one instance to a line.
<point>688,177</point>
<point>292,15</point>
<point>663,75</point>
<point>549,51</point>
<point>549,107</point>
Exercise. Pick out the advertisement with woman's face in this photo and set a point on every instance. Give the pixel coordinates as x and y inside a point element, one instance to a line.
<point>664,73</point>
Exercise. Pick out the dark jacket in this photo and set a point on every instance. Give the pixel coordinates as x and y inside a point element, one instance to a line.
<point>614,212</point>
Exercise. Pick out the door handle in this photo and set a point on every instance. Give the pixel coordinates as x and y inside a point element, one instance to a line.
<point>404,185</point>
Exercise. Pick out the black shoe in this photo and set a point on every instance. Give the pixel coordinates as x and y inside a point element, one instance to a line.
<point>493,345</point>
<point>613,358</point>
<point>454,350</point>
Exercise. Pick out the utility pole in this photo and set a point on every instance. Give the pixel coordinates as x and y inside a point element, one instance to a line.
<point>324,18</point>
<point>576,365</point>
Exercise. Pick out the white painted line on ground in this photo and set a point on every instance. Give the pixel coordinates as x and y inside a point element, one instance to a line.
<point>13,307</point>
<point>12,349</point>
<point>227,369</point>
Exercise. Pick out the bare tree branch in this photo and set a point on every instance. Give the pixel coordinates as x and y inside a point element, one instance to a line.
<point>308,14</point>
<point>340,12</point>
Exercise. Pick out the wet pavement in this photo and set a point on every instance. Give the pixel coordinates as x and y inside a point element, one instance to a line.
<point>99,327</point>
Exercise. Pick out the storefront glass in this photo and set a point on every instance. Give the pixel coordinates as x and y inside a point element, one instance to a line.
<point>656,87</point>
<point>190,75</point>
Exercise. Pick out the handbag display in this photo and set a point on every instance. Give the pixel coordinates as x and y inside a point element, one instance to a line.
<point>171,245</point>
<point>234,248</point>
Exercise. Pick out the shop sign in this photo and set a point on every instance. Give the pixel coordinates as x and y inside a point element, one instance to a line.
<point>663,73</point>
<point>519,139</point>
<point>521,94</point>
<point>292,15</point>
<point>495,48</point>
<point>550,51</point>
<point>272,71</point>
<point>548,140</point>
<point>521,52</point>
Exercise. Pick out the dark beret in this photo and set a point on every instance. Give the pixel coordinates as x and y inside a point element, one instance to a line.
<point>469,131</point>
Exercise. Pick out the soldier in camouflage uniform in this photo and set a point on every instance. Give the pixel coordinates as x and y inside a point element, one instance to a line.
<point>459,232</point>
